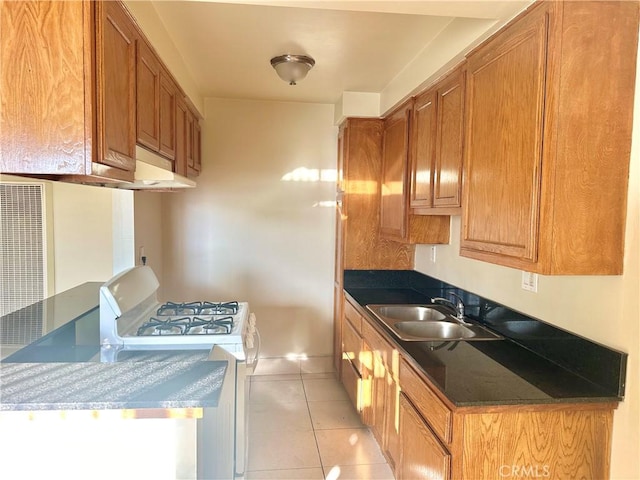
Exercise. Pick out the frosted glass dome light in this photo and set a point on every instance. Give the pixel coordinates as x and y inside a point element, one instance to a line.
<point>292,68</point>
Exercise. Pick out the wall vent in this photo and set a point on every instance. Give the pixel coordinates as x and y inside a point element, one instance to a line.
<point>23,249</point>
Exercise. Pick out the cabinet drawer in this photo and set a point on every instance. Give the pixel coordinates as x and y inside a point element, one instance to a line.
<point>351,381</point>
<point>351,345</point>
<point>353,316</point>
<point>426,402</point>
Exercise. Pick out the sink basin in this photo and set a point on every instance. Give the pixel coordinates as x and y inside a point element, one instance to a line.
<point>408,313</point>
<point>439,330</point>
<point>428,323</point>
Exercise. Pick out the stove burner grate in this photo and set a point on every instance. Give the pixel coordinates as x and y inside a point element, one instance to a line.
<point>214,326</point>
<point>186,326</point>
<point>171,326</point>
<point>198,308</point>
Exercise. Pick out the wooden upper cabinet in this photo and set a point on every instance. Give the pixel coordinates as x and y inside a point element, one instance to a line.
<point>395,147</point>
<point>167,116</point>
<point>396,222</point>
<point>436,147</point>
<point>79,87</point>
<point>193,141</point>
<point>35,137</point>
<point>116,85</point>
<point>197,146</point>
<point>546,160</point>
<point>359,174</point>
<point>148,97</point>
<point>423,149</point>
<point>156,104</point>
<point>447,174</point>
<point>67,88</point>
<point>188,139</point>
<point>181,118</point>
<point>504,141</point>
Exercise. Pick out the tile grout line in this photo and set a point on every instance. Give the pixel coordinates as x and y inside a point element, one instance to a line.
<point>313,428</point>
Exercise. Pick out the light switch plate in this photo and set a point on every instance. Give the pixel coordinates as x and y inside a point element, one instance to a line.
<point>433,254</point>
<point>530,281</point>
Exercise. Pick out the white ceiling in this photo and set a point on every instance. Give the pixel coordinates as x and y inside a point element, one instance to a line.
<point>358,45</point>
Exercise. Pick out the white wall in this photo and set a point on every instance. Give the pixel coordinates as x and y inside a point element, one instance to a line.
<point>148,230</point>
<point>83,234</point>
<point>246,234</point>
<point>605,309</point>
<point>81,241</point>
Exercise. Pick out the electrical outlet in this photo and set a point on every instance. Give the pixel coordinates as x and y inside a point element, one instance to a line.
<point>530,281</point>
<point>433,254</point>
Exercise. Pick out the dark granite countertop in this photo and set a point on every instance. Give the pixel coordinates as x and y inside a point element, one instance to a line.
<point>535,363</point>
<point>62,366</point>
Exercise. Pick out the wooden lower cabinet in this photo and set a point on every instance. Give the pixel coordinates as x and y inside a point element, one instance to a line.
<point>351,381</point>
<point>556,441</point>
<point>392,419</point>
<point>384,414</point>
<point>423,435</point>
<point>352,347</point>
<point>366,384</point>
<point>422,456</point>
<point>378,393</point>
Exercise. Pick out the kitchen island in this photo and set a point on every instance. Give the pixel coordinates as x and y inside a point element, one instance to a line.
<point>140,413</point>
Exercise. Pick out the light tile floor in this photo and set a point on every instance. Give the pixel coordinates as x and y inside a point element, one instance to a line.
<point>302,426</point>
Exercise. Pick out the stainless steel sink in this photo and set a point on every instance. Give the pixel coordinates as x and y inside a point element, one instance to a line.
<point>428,323</point>
<point>408,313</point>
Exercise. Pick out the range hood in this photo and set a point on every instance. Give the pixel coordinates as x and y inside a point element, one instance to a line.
<point>154,173</point>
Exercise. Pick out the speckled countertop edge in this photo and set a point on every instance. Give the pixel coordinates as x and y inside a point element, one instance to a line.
<point>99,386</point>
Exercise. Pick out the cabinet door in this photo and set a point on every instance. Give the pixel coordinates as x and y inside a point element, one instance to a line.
<point>182,114</point>
<point>148,97</point>
<point>351,381</point>
<point>366,387</point>
<point>504,115</point>
<point>44,119</point>
<point>447,171</point>
<point>378,397</point>
<point>392,418</point>
<point>423,145</point>
<point>340,206</point>
<point>351,361</point>
<point>197,147</point>
<point>422,455</point>
<point>191,164</point>
<point>351,342</point>
<point>393,211</point>
<point>116,85</point>
<point>167,116</point>
<point>338,302</point>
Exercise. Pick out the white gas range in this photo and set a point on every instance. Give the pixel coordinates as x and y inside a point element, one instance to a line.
<point>132,319</point>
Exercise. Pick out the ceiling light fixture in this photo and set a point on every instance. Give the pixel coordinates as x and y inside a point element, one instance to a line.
<point>292,68</point>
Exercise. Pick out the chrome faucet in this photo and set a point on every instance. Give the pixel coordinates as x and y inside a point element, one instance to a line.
<point>457,306</point>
